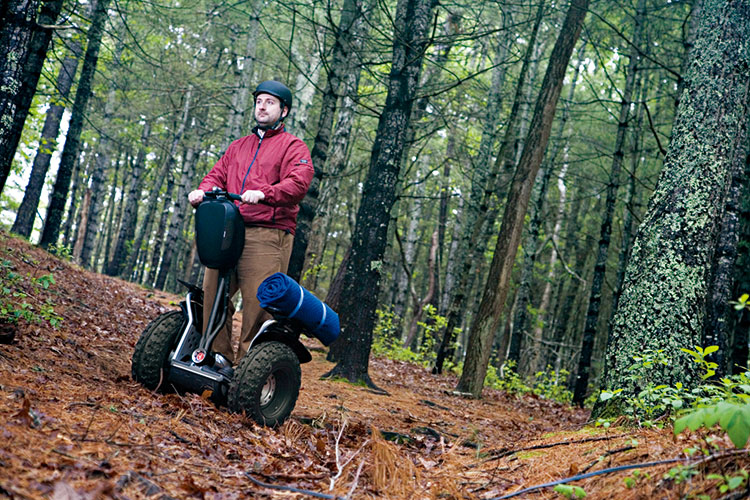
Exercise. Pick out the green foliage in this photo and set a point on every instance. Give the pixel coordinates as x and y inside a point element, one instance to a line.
<point>62,251</point>
<point>569,491</point>
<point>731,417</point>
<point>14,305</point>
<point>547,384</point>
<point>550,385</point>
<point>387,343</point>
<point>680,473</point>
<point>654,400</point>
<point>636,477</point>
<point>727,483</point>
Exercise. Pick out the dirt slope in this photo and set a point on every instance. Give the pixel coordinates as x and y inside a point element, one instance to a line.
<point>75,426</point>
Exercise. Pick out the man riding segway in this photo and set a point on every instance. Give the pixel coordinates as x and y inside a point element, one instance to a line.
<point>245,241</point>
<point>271,169</point>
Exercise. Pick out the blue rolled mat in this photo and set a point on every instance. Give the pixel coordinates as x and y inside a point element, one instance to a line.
<point>290,299</point>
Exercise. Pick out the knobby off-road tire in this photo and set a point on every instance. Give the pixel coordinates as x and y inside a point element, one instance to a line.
<point>266,384</point>
<point>151,354</point>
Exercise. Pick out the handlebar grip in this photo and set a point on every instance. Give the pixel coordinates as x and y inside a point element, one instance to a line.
<point>220,193</point>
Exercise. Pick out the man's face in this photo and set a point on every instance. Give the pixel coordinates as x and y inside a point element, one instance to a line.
<point>268,110</point>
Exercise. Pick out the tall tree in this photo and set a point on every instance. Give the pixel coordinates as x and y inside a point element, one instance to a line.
<point>668,276</point>
<point>130,211</point>
<point>24,37</point>
<point>73,137</point>
<point>495,292</point>
<point>24,222</point>
<point>342,62</point>
<point>361,282</point>
<point>101,167</point>
<point>478,212</point>
<point>605,232</point>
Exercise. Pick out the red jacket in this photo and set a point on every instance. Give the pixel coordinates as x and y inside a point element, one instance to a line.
<point>278,164</point>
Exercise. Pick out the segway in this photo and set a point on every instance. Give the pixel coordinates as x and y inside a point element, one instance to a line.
<point>173,354</point>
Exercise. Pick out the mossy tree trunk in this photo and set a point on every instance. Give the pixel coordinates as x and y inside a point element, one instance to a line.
<point>668,277</point>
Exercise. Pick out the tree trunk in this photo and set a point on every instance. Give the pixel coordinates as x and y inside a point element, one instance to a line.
<point>361,282</point>
<point>348,32</point>
<point>628,219</point>
<point>243,71</point>
<point>99,175</point>
<point>605,234</point>
<point>24,38</point>
<point>667,280</point>
<point>520,330</point>
<point>485,324</point>
<point>24,222</point>
<point>72,138</point>
<point>484,186</point>
<point>741,323</point>
<point>716,328</point>
<point>130,212</point>
<point>178,215</point>
<point>105,241</point>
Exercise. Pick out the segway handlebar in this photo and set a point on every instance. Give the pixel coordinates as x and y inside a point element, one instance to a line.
<point>217,193</point>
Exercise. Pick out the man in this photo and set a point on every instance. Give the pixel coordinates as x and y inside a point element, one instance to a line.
<point>271,169</point>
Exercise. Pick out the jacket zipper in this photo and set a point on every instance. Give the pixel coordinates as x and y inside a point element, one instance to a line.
<point>242,189</point>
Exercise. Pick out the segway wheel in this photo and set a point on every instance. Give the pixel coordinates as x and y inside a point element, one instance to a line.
<point>151,355</point>
<point>266,384</point>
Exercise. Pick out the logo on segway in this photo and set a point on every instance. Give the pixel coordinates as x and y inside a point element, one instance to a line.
<point>199,355</point>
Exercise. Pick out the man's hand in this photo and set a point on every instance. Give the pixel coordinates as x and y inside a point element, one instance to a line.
<point>196,197</point>
<point>252,197</point>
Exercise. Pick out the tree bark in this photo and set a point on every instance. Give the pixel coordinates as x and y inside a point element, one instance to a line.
<point>485,324</point>
<point>98,176</point>
<point>716,328</point>
<point>178,215</point>
<point>24,222</point>
<point>24,38</point>
<point>72,138</point>
<point>348,32</point>
<point>667,280</point>
<point>130,212</point>
<point>361,282</point>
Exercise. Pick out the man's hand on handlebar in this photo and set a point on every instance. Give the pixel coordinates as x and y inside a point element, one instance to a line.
<point>252,196</point>
<point>196,197</point>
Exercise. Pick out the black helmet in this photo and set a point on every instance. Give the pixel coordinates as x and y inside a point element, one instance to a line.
<point>276,89</point>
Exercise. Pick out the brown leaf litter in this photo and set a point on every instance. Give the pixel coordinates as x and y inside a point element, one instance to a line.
<point>75,426</point>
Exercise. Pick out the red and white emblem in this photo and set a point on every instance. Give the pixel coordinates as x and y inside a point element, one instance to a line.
<point>198,356</point>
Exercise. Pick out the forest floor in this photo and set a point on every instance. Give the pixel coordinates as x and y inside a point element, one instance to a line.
<point>74,425</point>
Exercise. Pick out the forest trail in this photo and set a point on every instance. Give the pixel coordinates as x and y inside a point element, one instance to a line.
<point>75,426</point>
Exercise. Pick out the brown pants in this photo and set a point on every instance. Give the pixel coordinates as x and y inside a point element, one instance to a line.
<point>266,251</point>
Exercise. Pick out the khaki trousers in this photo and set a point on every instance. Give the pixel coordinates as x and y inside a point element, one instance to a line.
<point>266,251</point>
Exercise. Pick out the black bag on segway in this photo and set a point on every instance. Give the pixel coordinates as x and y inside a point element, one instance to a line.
<point>219,233</point>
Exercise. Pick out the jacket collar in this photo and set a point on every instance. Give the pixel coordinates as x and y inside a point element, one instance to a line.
<point>269,132</point>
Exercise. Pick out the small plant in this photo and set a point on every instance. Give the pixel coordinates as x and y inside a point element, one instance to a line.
<point>569,491</point>
<point>550,384</point>
<point>727,483</point>
<point>62,251</point>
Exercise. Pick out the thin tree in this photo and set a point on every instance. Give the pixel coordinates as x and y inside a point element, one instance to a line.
<point>495,292</point>
<point>605,234</point>
<point>72,139</point>
<point>24,222</point>
<point>343,58</point>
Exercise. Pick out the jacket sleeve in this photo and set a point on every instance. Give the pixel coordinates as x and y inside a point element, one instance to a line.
<point>217,176</point>
<point>296,174</point>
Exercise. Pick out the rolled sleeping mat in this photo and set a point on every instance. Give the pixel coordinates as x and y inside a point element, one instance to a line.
<point>287,298</point>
